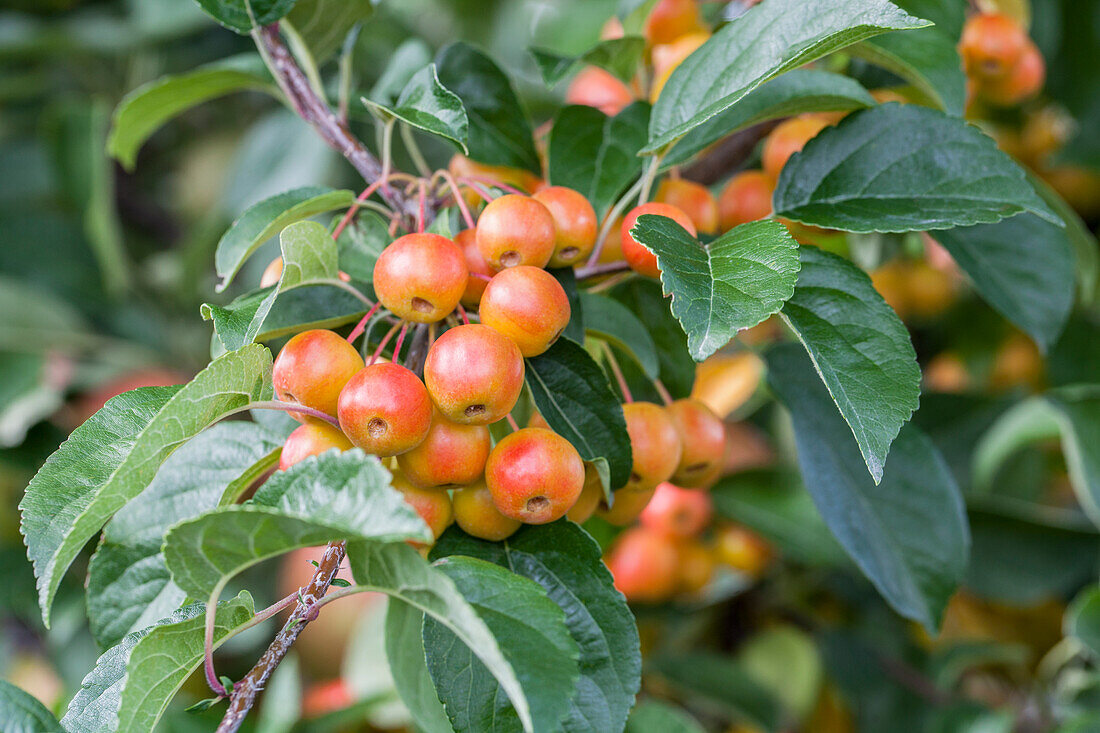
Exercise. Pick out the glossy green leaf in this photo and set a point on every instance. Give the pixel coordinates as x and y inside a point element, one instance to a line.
<point>238,15</point>
<point>408,663</point>
<point>329,497</point>
<point>400,572</point>
<point>522,618</point>
<point>426,104</point>
<point>323,24</point>
<point>926,57</point>
<point>23,713</point>
<point>909,534</point>
<point>620,56</point>
<point>654,716</point>
<point>778,507</point>
<point>766,41</point>
<point>644,298</point>
<point>595,154</point>
<point>1083,619</point>
<point>732,283</point>
<point>902,168</point>
<point>144,110</point>
<point>134,681</point>
<point>859,347</point>
<point>793,93</point>
<point>267,218</point>
<point>309,258</point>
<point>1023,267</point>
<point>1078,413</point>
<point>1086,249</point>
<point>566,561</point>
<point>724,684</point>
<point>572,394</point>
<point>360,244</point>
<point>303,308</point>
<point>499,131</point>
<point>612,321</point>
<point>112,457</point>
<point>129,586</point>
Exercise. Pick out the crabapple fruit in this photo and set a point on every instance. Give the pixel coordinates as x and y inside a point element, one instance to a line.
<point>671,19</point>
<point>625,507</point>
<point>385,409</point>
<point>421,277</point>
<point>693,199</point>
<point>480,272</point>
<point>528,305</point>
<point>640,259</point>
<point>450,455</point>
<point>742,549</point>
<point>696,566</point>
<point>991,44</point>
<point>535,475</point>
<point>655,443</point>
<point>1023,81</point>
<point>746,197</point>
<point>311,439</point>
<point>594,87</point>
<point>787,139</point>
<point>574,224</point>
<point>474,374</point>
<point>590,497</point>
<point>311,370</point>
<point>677,512</point>
<point>477,515</point>
<point>433,505</point>
<point>644,565</point>
<point>515,230</point>
<point>703,436</point>
<point>272,273</point>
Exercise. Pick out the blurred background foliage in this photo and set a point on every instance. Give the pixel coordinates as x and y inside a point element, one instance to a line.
<point>102,271</point>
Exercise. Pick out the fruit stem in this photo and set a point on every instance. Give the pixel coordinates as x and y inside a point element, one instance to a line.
<point>662,390</point>
<point>291,407</point>
<point>400,341</point>
<point>457,194</point>
<point>361,326</point>
<point>465,317</point>
<point>512,422</point>
<point>413,149</point>
<point>606,268</point>
<point>648,178</point>
<point>208,644</point>
<point>478,189</point>
<point>420,207</point>
<point>385,340</point>
<point>495,184</point>
<point>610,219</point>
<point>618,372</point>
<point>355,207</point>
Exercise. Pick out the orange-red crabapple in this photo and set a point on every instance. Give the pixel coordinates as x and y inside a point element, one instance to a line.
<point>644,565</point>
<point>626,505</point>
<point>528,305</point>
<point>478,516</point>
<point>480,272</point>
<point>474,374</point>
<point>691,198</point>
<point>594,87</point>
<point>421,277</point>
<point>677,512</point>
<point>746,197</point>
<point>992,44</point>
<point>703,436</point>
<point>789,138</point>
<point>433,505</point>
<point>385,410</point>
<point>515,230</point>
<point>590,497</point>
<point>534,475</point>
<point>451,455</point>
<point>311,370</point>
<point>655,443</point>
<point>640,259</point>
<point>671,19</point>
<point>575,224</point>
<point>311,439</point>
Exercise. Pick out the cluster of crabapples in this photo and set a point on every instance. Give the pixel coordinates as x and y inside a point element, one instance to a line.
<point>434,430</point>
<point>1003,65</point>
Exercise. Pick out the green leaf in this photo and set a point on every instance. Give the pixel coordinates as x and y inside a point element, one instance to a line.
<point>408,664</point>
<point>859,347</point>
<point>22,713</point>
<point>902,168</point>
<point>595,154</point>
<point>612,321</point>
<point>302,308</point>
<point>1086,249</point>
<point>1083,619</point>
<point>112,457</point>
<point>566,561</point>
<point>732,283</point>
<point>428,105</point>
<point>329,497</point>
<point>777,506</point>
<point>309,258</point>
<point>723,684</point>
<point>909,534</point>
<point>764,42</point>
<point>129,586</point>
<point>644,298</point>
<point>238,15</point>
<point>926,57</point>
<point>572,394</point>
<point>499,133</point>
<point>654,716</point>
<point>361,243</point>
<point>134,681</point>
<point>793,93</point>
<point>522,619</point>
<point>620,56</point>
<point>323,24</point>
<point>144,110</point>
<point>36,320</point>
<point>398,571</point>
<point>1078,413</point>
<point>408,58</point>
<point>1023,267</point>
<point>264,220</point>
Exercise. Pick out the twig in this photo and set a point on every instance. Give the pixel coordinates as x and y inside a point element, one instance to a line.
<point>607,268</point>
<point>728,155</point>
<point>618,372</point>
<point>245,691</point>
<point>291,407</point>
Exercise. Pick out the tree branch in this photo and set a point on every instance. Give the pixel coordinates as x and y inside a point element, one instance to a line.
<point>245,691</point>
<point>332,129</point>
<point>727,155</point>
